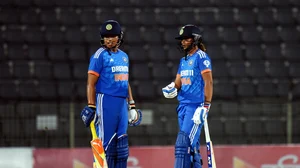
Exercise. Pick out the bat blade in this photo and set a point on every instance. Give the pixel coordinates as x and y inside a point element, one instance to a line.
<point>210,155</point>
<point>98,149</point>
<point>209,146</point>
<point>98,152</point>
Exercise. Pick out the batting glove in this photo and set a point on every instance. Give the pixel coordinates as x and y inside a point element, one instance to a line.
<point>201,114</point>
<point>134,115</point>
<point>87,114</point>
<point>170,91</point>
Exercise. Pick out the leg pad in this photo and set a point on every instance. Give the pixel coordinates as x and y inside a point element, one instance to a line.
<point>196,159</point>
<point>122,151</point>
<point>111,153</point>
<point>182,151</point>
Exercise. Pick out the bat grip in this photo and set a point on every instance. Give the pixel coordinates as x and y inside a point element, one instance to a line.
<point>93,130</point>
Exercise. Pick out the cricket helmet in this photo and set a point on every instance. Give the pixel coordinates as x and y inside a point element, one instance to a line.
<point>111,28</point>
<point>190,31</point>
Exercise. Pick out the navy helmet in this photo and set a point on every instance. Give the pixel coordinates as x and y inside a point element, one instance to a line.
<point>190,31</point>
<point>111,28</point>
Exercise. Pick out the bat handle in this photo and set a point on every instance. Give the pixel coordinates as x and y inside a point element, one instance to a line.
<point>93,130</point>
<point>206,130</point>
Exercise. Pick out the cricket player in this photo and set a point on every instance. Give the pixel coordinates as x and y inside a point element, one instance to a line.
<point>194,86</point>
<point>109,96</point>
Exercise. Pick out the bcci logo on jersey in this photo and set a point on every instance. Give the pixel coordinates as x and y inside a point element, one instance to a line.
<point>125,59</point>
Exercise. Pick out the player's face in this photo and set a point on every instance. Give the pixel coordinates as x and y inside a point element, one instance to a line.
<point>111,41</point>
<point>186,42</point>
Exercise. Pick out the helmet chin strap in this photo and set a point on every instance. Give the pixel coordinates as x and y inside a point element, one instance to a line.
<point>114,47</point>
<point>190,47</point>
<point>120,41</point>
<point>187,50</point>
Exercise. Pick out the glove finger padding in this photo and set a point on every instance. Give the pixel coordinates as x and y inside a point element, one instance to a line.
<point>199,115</point>
<point>134,117</point>
<point>170,95</point>
<point>170,91</point>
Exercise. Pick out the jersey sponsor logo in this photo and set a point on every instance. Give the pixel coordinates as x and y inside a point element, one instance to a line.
<point>186,81</point>
<point>187,73</point>
<point>121,77</point>
<point>206,63</point>
<point>119,69</point>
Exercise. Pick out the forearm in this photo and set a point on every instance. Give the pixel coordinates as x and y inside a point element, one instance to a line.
<point>208,91</point>
<point>91,89</point>
<point>88,113</point>
<point>91,94</point>
<point>130,97</point>
<point>177,82</point>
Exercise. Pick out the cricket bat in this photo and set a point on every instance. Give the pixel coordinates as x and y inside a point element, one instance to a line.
<point>97,148</point>
<point>209,146</point>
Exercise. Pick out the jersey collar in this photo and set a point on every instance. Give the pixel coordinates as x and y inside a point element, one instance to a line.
<point>188,56</point>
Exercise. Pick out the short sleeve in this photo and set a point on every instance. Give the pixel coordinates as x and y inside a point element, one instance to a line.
<point>96,63</point>
<point>204,62</point>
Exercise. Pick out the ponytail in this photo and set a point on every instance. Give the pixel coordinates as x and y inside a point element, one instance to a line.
<point>202,46</point>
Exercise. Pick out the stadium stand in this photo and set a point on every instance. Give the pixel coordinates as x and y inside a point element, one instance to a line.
<point>254,46</point>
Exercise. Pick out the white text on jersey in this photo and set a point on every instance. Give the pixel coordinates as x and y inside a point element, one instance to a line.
<point>187,73</point>
<point>119,69</point>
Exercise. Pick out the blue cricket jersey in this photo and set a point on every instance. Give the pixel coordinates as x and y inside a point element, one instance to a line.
<point>190,71</point>
<point>112,70</point>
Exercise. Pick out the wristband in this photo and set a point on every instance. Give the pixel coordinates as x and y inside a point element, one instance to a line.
<point>207,105</point>
<point>92,106</point>
<point>131,104</point>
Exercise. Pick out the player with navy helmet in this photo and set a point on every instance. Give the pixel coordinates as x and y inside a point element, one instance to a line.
<point>109,94</point>
<point>194,87</point>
